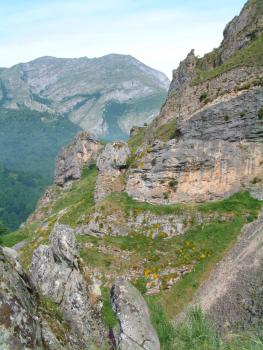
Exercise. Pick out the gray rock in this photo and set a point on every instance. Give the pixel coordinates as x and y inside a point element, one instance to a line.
<point>233,120</point>
<point>194,170</point>
<point>55,273</point>
<point>113,157</point>
<point>64,245</point>
<point>19,324</point>
<point>242,29</point>
<point>111,164</point>
<point>136,331</point>
<point>74,157</point>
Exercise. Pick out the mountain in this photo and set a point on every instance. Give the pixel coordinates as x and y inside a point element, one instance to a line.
<point>155,243</point>
<point>105,95</point>
<point>45,102</point>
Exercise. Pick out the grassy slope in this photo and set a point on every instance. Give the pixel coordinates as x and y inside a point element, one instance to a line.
<point>201,247</point>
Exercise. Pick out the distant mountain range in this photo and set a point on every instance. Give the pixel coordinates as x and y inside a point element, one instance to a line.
<point>106,95</point>
<point>44,103</point>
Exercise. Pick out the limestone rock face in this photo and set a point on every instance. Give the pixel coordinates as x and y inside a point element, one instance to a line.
<point>194,171</point>
<point>111,164</point>
<point>233,293</point>
<point>71,160</point>
<point>19,325</point>
<point>55,273</point>
<point>136,331</point>
<point>184,73</point>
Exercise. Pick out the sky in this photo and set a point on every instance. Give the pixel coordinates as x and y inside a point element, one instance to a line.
<point>159,33</point>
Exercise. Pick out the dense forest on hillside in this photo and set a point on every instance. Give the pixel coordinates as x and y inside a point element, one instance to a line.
<point>29,143</point>
<point>19,192</point>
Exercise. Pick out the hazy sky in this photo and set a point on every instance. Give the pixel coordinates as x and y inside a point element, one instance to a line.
<point>158,32</point>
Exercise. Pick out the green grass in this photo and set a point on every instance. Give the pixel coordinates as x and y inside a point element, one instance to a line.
<point>136,141</point>
<point>79,199</point>
<point>238,203</point>
<point>250,56</point>
<point>166,132</point>
<point>108,315</point>
<point>196,333</point>
<point>162,325</point>
<point>13,238</point>
<point>50,308</point>
<point>210,242</point>
<point>128,204</point>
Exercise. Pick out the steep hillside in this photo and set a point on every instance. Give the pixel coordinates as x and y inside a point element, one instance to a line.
<point>19,193</point>
<point>106,95</point>
<point>131,235</point>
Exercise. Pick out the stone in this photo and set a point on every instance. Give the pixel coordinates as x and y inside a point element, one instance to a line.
<point>55,273</point>
<point>64,245</point>
<point>111,164</point>
<point>194,171</point>
<point>136,331</point>
<point>20,328</point>
<point>74,157</point>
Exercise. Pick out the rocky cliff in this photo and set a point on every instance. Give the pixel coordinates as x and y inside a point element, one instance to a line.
<point>132,233</point>
<point>214,111</point>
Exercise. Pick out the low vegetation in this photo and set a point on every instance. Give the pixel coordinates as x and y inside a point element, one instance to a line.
<point>249,56</point>
<point>196,333</point>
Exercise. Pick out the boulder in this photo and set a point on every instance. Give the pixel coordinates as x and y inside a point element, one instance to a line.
<point>136,330</point>
<point>74,157</point>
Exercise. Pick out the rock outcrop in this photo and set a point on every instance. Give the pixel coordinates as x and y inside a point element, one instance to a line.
<point>74,157</point>
<point>56,274</point>
<point>194,171</point>
<point>242,29</point>
<point>136,331</point>
<point>216,147</point>
<point>111,164</point>
<point>234,293</point>
<point>20,327</point>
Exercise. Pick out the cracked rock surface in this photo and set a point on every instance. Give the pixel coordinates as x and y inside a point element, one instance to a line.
<point>136,330</point>
<point>56,274</point>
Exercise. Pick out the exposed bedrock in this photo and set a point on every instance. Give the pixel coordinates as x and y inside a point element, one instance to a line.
<point>111,164</point>
<point>74,157</point>
<point>55,273</point>
<point>136,331</point>
<point>194,170</point>
<point>20,327</point>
